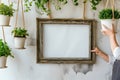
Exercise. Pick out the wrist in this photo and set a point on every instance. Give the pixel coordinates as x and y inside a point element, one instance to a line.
<point>112,36</point>
<point>99,52</point>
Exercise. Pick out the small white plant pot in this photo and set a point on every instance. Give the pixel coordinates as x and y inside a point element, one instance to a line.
<point>3,60</point>
<point>4,20</point>
<point>108,23</point>
<point>19,42</point>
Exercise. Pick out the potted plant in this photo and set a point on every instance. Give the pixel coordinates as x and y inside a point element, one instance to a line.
<point>106,16</point>
<point>20,35</point>
<point>5,51</point>
<point>5,13</point>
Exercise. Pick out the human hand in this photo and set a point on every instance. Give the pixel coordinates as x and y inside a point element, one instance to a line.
<point>107,31</point>
<point>96,50</point>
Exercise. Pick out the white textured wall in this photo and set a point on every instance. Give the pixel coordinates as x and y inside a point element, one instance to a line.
<point>24,67</point>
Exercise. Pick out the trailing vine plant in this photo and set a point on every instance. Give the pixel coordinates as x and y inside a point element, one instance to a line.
<point>94,3</point>
<point>42,4</point>
<point>76,2</point>
<point>59,3</point>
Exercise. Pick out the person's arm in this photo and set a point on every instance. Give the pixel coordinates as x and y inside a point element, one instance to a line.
<point>101,54</point>
<point>112,37</point>
<point>113,42</point>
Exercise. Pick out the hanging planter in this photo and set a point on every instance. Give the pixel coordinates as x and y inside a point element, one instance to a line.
<point>3,60</point>
<point>5,13</point>
<point>4,53</point>
<point>107,18</point>
<point>19,37</point>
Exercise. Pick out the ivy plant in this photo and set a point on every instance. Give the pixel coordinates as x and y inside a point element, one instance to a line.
<point>58,4</point>
<point>107,14</point>
<point>20,32</point>
<point>75,2</point>
<point>6,10</point>
<point>28,4</point>
<point>94,3</point>
<point>4,49</point>
<point>42,4</point>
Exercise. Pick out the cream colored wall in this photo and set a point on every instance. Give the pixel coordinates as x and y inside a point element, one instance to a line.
<point>24,67</point>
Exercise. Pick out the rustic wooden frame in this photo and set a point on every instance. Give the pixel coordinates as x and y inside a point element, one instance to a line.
<point>41,59</point>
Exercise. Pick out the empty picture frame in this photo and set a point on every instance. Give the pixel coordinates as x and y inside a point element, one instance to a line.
<point>65,41</point>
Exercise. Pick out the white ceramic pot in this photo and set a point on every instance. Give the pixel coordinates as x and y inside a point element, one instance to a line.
<point>19,42</point>
<point>4,20</point>
<point>3,60</point>
<point>108,23</point>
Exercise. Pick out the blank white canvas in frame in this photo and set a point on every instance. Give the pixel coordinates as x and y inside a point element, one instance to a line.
<point>66,41</point>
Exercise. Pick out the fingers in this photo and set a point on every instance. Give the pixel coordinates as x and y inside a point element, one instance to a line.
<point>105,26</point>
<point>103,32</point>
<point>93,50</point>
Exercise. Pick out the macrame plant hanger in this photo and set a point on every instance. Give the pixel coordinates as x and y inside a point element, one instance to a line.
<point>112,4</point>
<point>84,9</point>
<point>3,32</point>
<point>48,5</point>
<point>23,18</point>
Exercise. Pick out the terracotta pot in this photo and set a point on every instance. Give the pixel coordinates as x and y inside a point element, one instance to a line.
<point>108,23</point>
<point>19,42</point>
<point>4,20</point>
<point>3,60</point>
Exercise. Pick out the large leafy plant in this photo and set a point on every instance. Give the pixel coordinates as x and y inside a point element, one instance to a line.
<point>20,32</point>
<point>4,49</point>
<point>107,14</point>
<point>6,10</point>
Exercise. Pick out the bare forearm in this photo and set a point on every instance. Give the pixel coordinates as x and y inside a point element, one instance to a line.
<point>103,55</point>
<point>113,42</point>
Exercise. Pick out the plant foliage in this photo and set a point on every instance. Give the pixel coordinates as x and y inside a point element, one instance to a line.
<point>107,14</point>
<point>28,4</point>
<point>4,49</point>
<point>58,4</point>
<point>6,10</point>
<point>94,3</point>
<point>42,4</point>
<point>20,32</point>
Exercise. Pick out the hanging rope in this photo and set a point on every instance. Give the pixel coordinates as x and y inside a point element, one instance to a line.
<point>113,8</point>
<point>17,13</point>
<point>84,10</point>
<point>49,15</point>
<point>3,34</point>
<point>112,4</point>
<point>107,4</point>
<point>23,18</point>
